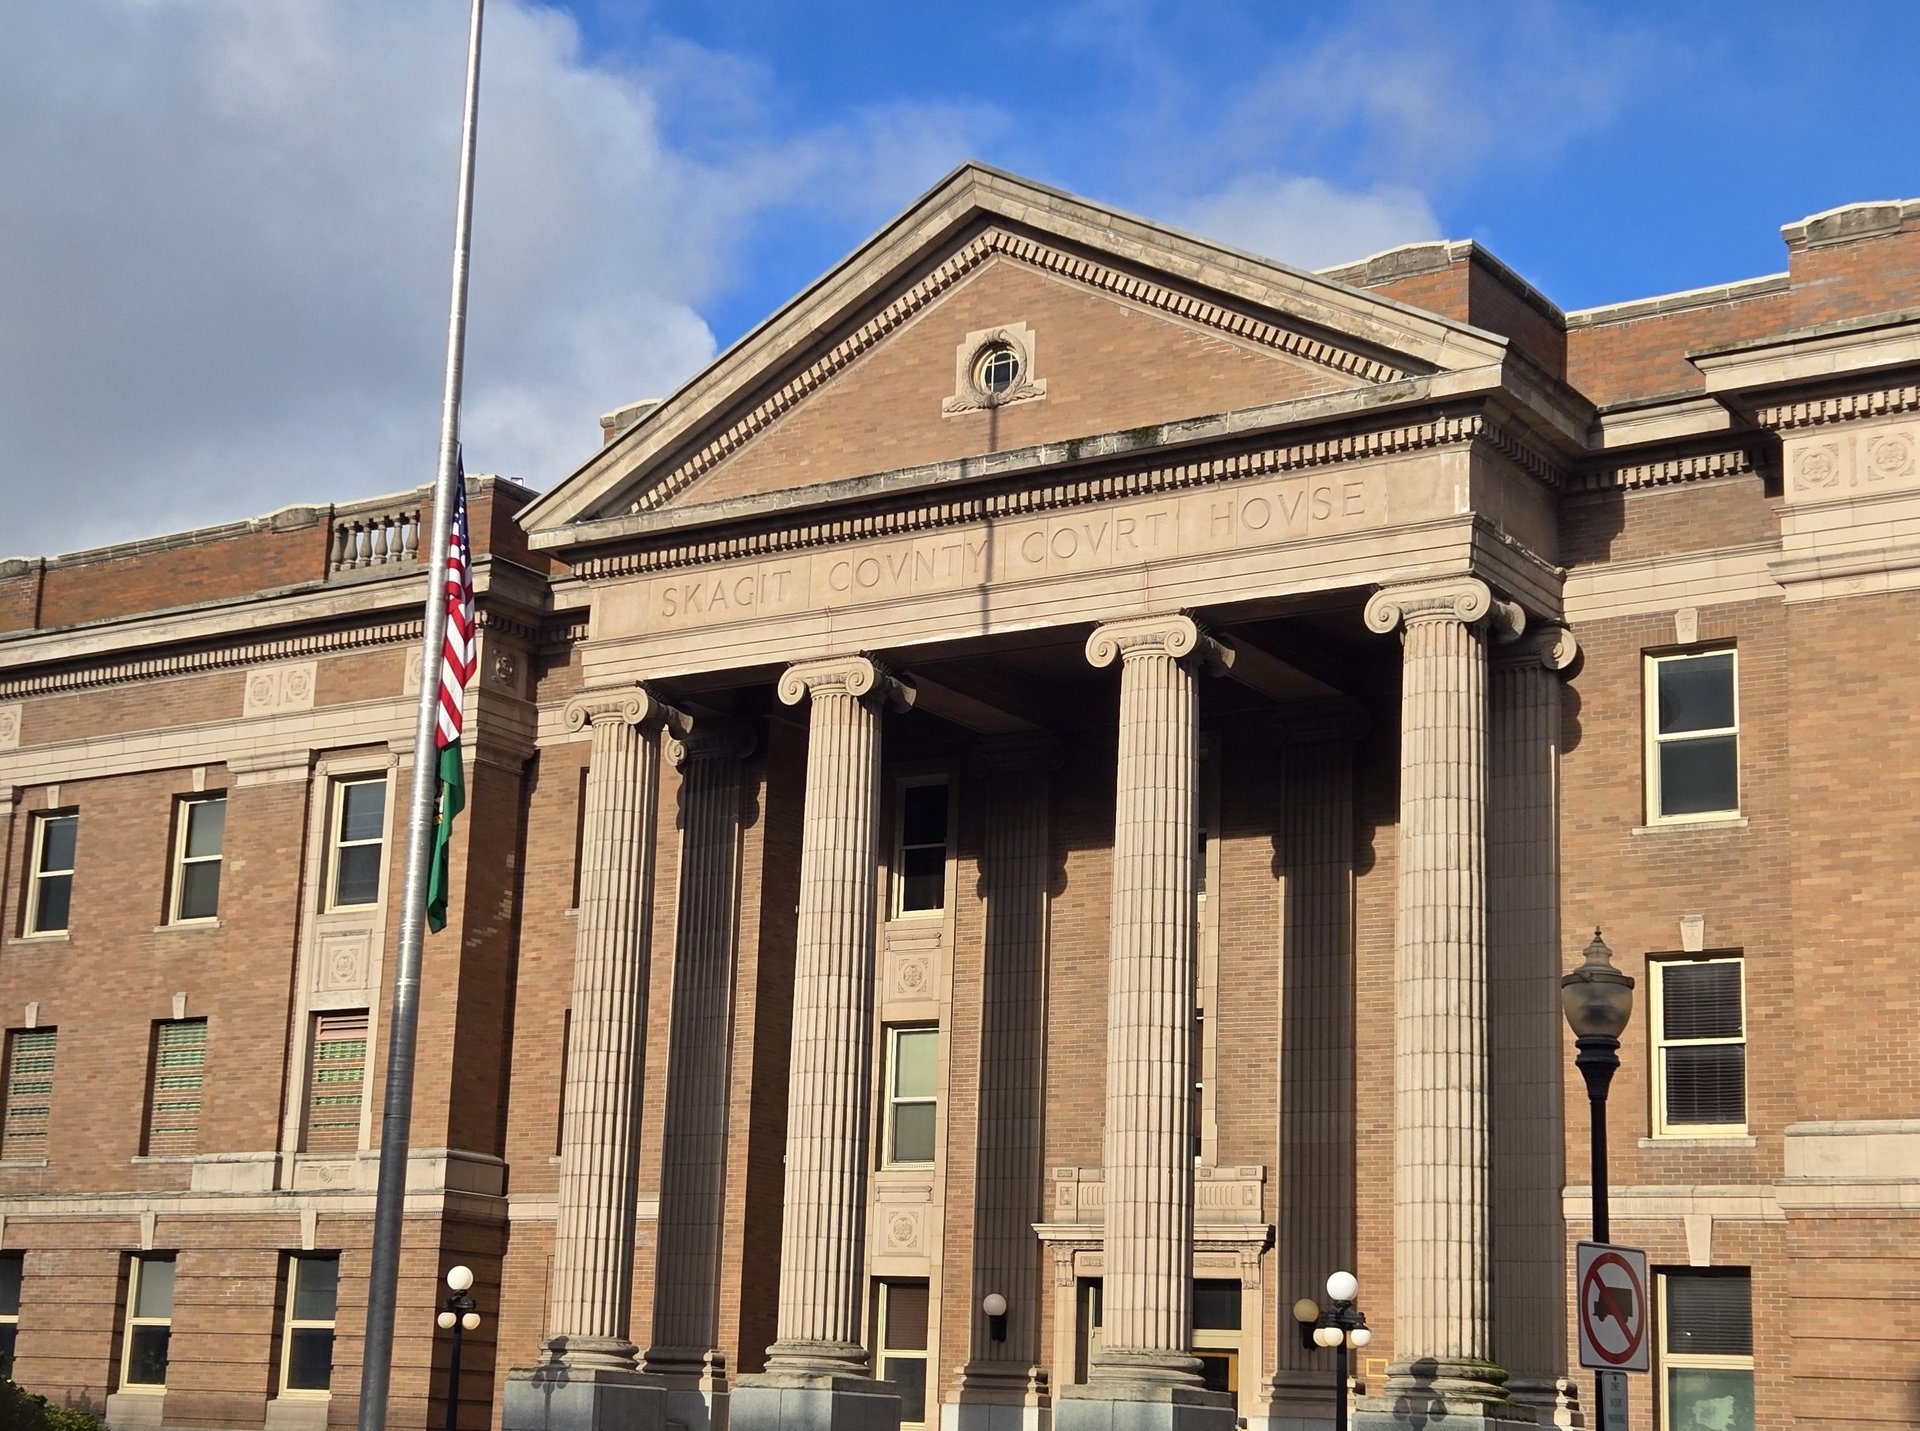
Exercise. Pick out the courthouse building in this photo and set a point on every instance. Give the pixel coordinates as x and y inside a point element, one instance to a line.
<point>1062,772</point>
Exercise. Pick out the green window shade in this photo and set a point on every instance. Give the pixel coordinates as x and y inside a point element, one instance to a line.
<point>916,1055</point>
<point>29,1094</point>
<point>336,1081</point>
<point>173,1100</point>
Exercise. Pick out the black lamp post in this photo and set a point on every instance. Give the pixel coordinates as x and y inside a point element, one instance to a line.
<point>1598,1000</point>
<point>1340,1326</point>
<point>457,1315</point>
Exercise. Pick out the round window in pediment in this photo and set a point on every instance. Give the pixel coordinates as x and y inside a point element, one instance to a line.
<point>996,371</point>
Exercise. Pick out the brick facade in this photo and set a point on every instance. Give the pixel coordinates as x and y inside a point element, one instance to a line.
<point>1734,469</point>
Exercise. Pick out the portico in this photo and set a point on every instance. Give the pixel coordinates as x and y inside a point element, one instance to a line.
<point>1098,647</point>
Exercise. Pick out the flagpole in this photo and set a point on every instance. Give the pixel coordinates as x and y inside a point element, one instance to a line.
<point>389,1208</point>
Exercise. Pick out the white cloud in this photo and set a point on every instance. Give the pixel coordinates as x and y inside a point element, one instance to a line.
<point>1308,222</point>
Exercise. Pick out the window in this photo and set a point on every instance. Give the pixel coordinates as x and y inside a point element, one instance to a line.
<point>11,1265</point>
<point>1706,1361</point>
<point>1216,1332</point>
<point>200,833</point>
<point>1700,1048</point>
<point>143,1359</point>
<point>173,1087</point>
<point>1089,1318</point>
<point>29,1093</point>
<point>1693,737</point>
<point>336,1080</point>
<point>920,848</point>
<point>913,1057</point>
<point>997,369</point>
<point>306,1341</point>
<point>50,890</point>
<point>903,1346</point>
<point>359,825</point>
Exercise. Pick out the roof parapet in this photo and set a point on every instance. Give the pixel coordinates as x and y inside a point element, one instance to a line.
<point>1874,219</point>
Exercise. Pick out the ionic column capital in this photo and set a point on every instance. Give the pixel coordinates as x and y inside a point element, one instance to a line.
<point>857,676</point>
<point>1173,636</point>
<point>707,739</point>
<point>1465,599</point>
<point>631,705</point>
<point>1551,647</point>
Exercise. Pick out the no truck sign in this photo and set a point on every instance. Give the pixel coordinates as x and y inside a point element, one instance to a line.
<point>1610,1305</point>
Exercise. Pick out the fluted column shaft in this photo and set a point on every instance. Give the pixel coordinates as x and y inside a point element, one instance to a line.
<point>1014,866</point>
<point>1148,1243</point>
<point>693,1162</point>
<point>829,1082</point>
<point>592,1300</point>
<point>1442,1264</point>
<point>1314,845</point>
<point>1529,1229</point>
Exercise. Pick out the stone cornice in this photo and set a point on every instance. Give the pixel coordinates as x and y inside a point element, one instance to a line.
<point>1839,407</point>
<point>1667,471</point>
<point>189,663</point>
<point>941,509</point>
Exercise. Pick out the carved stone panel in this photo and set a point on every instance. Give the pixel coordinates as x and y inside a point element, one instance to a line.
<point>9,727</point>
<point>1865,460</point>
<point>273,690</point>
<point>342,963</point>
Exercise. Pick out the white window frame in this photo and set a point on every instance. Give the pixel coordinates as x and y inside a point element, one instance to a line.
<point>185,807</point>
<point>136,1271</point>
<point>11,1320</point>
<point>894,1100</point>
<point>1224,1339</point>
<point>1654,741</point>
<point>1657,969</point>
<point>1666,1361</point>
<point>37,873</point>
<point>289,1324</point>
<point>896,899</point>
<point>336,820</point>
<point>882,1352</point>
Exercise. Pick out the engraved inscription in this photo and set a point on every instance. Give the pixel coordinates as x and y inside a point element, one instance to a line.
<point>1115,536</point>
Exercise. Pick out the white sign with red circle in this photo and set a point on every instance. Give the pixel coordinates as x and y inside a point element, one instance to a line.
<point>1610,1305</point>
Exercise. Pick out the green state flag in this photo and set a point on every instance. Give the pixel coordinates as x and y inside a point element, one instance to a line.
<point>453,799</point>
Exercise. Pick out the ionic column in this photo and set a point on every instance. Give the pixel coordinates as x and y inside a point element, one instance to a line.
<point>592,1301</point>
<point>1313,847</point>
<point>829,1083</point>
<point>1523,847</point>
<point>1442,1261</point>
<point>693,1162</point>
<point>1012,776</point>
<point>1148,1154</point>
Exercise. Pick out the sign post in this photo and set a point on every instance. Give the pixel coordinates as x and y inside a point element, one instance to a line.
<point>1610,1306</point>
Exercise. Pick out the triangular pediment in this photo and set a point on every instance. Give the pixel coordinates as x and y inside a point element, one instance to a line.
<point>1110,324</point>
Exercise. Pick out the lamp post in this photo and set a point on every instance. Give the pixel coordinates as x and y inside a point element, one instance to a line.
<point>1340,1326</point>
<point>1598,1000</point>
<point>457,1315</point>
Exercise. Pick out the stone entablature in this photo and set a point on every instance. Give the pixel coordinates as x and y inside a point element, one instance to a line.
<point>1222,1196</point>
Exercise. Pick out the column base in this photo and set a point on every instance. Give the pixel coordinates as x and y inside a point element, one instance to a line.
<point>997,1396</point>
<point>800,1401</point>
<point>556,1397</point>
<point>694,1383</point>
<point>1299,1400</point>
<point>1553,1401</point>
<point>1142,1406</point>
<point>1464,1394</point>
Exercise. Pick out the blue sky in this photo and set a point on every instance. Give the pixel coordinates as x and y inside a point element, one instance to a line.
<point>224,256</point>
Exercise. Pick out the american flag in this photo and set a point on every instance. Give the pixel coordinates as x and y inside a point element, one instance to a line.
<point>458,655</point>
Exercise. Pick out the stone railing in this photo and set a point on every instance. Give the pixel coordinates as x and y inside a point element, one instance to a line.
<point>385,532</point>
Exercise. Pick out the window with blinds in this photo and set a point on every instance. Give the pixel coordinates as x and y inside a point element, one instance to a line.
<point>903,1316</point>
<point>173,1087</point>
<point>1700,1047</point>
<point>23,1126</point>
<point>1706,1350</point>
<point>336,1082</point>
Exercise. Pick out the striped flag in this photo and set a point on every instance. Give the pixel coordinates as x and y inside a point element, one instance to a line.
<point>456,669</point>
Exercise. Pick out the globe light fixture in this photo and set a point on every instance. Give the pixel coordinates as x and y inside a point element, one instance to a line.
<point>1338,1328</point>
<point>458,1314</point>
